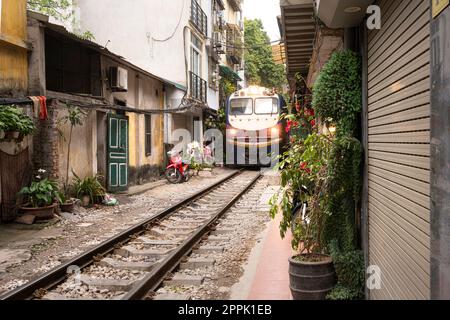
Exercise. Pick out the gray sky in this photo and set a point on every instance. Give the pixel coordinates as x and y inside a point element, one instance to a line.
<point>267,11</point>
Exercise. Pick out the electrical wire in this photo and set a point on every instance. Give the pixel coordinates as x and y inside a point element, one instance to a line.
<point>176,28</point>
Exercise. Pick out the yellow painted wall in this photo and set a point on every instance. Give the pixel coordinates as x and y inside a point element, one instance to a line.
<point>13,47</point>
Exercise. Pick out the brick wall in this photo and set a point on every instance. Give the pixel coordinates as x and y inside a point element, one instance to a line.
<point>45,144</point>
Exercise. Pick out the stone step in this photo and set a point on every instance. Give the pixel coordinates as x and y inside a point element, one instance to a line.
<point>197,263</point>
<point>209,249</point>
<point>172,296</point>
<point>222,231</point>
<point>184,280</point>
<point>158,242</point>
<point>109,284</point>
<point>218,239</point>
<point>127,251</point>
<point>116,264</point>
<point>59,297</point>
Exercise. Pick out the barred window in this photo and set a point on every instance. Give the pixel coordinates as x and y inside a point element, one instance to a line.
<point>148,135</point>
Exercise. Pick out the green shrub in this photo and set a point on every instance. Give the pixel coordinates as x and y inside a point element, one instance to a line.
<point>337,92</point>
<point>89,186</point>
<point>41,193</point>
<point>12,118</point>
<point>344,188</point>
<point>349,267</point>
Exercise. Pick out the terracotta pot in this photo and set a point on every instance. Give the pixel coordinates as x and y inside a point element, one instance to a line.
<point>12,134</point>
<point>44,213</point>
<point>69,206</point>
<point>85,201</point>
<point>311,280</point>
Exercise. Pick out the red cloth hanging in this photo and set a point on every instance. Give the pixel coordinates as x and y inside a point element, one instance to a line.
<point>43,114</point>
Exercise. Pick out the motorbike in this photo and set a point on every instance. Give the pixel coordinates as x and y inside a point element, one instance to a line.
<point>178,170</point>
<point>299,213</point>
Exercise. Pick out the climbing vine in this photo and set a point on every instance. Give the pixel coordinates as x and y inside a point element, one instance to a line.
<point>337,92</point>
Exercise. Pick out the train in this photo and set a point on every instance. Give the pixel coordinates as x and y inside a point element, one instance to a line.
<point>255,133</point>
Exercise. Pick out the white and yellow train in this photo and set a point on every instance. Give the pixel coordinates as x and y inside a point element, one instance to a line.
<point>254,130</point>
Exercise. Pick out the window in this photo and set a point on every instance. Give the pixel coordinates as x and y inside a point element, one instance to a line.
<point>241,107</point>
<point>196,55</point>
<point>148,135</point>
<point>71,67</point>
<point>266,106</point>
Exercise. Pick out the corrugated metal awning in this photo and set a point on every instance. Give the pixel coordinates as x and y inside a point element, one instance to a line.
<point>298,29</point>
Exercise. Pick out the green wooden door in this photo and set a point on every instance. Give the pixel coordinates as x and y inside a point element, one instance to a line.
<point>117,153</point>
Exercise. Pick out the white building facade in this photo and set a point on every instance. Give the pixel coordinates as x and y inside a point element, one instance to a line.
<point>171,39</point>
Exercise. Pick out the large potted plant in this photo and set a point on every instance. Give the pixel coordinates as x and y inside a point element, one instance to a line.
<point>89,190</point>
<point>74,118</point>
<point>304,167</point>
<point>14,124</point>
<point>42,196</point>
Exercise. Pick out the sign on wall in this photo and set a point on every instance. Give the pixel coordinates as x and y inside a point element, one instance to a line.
<point>438,6</point>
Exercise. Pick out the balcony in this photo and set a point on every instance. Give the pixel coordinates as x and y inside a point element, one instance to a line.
<point>198,88</point>
<point>235,44</point>
<point>235,4</point>
<point>199,18</point>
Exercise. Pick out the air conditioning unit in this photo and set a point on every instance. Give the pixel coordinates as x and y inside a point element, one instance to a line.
<point>118,79</point>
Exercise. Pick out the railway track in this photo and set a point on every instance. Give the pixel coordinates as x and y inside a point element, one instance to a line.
<point>133,264</point>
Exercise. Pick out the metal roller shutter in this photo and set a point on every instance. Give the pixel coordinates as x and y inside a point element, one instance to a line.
<point>399,149</point>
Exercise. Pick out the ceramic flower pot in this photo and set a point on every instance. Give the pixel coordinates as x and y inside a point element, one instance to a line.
<point>43,213</point>
<point>12,134</point>
<point>68,206</point>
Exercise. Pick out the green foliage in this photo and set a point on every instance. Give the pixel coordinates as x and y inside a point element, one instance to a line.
<point>41,193</point>
<point>304,164</point>
<point>337,92</point>
<point>349,267</point>
<point>60,10</point>
<point>89,186</point>
<point>75,117</point>
<point>12,118</point>
<point>344,192</point>
<point>260,67</point>
<point>54,8</point>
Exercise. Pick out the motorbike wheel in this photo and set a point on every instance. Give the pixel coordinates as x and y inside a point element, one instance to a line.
<point>296,218</point>
<point>173,175</point>
<point>187,175</point>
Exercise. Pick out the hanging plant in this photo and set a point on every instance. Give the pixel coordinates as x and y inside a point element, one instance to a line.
<point>337,92</point>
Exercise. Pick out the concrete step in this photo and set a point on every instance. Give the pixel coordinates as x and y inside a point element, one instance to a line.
<point>184,280</point>
<point>116,264</point>
<point>197,263</point>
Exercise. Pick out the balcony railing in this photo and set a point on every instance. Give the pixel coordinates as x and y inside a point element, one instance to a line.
<point>199,18</point>
<point>235,43</point>
<point>198,88</point>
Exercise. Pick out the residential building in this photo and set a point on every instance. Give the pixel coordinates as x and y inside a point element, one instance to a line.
<point>168,39</point>
<point>122,135</point>
<point>234,36</point>
<point>14,49</point>
<point>405,201</point>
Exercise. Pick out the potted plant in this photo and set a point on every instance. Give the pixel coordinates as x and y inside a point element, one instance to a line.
<point>41,196</point>
<point>304,166</point>
<point>14,123</point>
<point>89,190</point>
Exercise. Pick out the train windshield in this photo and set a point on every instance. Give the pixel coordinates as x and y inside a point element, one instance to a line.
<point>266,106</point>
<point>240,107</point>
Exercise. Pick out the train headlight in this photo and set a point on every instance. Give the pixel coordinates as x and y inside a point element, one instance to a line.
<point>275,131</point>
<point>232,132</point>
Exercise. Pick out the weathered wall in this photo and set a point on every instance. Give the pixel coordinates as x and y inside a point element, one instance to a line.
<point>144,93</point>
<point>13,48</point>
<point>83,149</point>
<point>327,42</point>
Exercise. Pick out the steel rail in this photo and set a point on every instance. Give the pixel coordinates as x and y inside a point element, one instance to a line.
<point>57,275</point>
<point>152,280</point>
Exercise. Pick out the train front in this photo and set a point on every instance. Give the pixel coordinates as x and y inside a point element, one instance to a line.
<point>254,130</point>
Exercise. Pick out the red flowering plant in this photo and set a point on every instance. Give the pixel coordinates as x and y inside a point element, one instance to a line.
<point>305,164</point>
